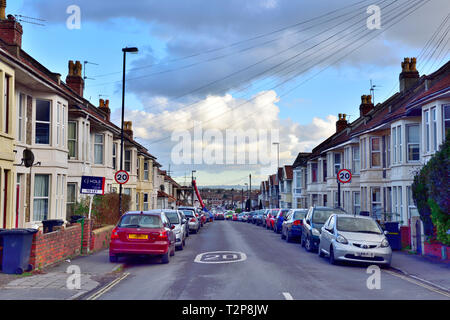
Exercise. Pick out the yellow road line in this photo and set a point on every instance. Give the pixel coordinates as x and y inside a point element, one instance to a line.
<point>105,289</point>
<point>418,283</point>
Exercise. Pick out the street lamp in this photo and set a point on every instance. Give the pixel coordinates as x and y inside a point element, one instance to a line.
<point>246,184</point>
<point>192,183</point>
<point>124,50</point>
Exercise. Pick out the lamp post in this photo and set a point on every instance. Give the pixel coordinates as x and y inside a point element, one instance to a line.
<point>192,183</point>
<point>250,194</point>
<point>246,184</point>
<point>124,50</point>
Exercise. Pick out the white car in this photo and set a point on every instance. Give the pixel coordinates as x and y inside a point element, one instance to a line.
<point>354,238</point>
<point>176,219</point>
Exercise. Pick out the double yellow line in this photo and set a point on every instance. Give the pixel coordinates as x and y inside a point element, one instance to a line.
<point>105,289</point>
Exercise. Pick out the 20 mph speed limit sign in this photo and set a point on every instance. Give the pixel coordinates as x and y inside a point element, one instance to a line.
<point>344,176</point>
<point>121,177</point>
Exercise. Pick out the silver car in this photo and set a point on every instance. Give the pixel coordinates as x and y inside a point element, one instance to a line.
<point>193,221</point>
<point>354,238</point>
<point>176,219</point>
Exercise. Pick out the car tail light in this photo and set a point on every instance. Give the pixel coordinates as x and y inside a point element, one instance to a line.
<point>192,220</point>
<point>114,234</point>
<point>298,223</point>
<point>163,236</point>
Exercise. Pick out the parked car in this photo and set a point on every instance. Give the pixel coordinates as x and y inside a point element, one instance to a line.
<point>354,238</point>
<point>257,218</point>
<point>183,217</point>
<point>250,217</point>
<point>180,224</point>
<point>270,220</point>
<point>279,220</point>
<point>235,217</point>
<point>292,226</point>
<point>229,215</point>
<point>143,233</point>
<point>244,216</point>
<point>264,217</point>
<point>220,216</point>
<point>193,222</point>
<point>313,223</point>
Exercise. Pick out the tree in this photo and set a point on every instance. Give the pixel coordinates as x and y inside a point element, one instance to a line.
<point>431,194</point>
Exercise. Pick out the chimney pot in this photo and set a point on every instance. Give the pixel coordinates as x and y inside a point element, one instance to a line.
<point>74,79</point>
<point>409,75</point>
<point>366,105</point>
<point>10,30</point>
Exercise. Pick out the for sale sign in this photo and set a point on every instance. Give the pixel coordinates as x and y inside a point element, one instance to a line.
<point>92,185</point>
<point>344,176</point>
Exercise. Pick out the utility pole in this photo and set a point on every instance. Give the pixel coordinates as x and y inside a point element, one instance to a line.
<point>192,185</point>
<point>242,201</point>
<point>250,194</point>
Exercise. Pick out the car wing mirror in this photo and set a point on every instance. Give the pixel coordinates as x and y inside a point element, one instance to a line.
<point>172,227</point>
<point>307,221</point>
<point>184,221</point>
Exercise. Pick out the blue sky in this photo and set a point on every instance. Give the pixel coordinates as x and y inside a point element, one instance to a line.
<point>168,30</point>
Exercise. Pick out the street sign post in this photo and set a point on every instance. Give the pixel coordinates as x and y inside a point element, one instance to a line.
<point>121,177</point>
<point>343,176</point>
<point>92,186</point>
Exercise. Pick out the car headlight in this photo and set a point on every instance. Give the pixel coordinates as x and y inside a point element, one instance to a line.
<point>315,232</point>
<point>341,239</point>
<point>384,243</point>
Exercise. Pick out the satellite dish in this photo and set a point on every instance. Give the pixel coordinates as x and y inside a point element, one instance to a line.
<point>28,158</point>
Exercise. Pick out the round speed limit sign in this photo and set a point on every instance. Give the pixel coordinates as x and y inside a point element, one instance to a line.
<point>344,176</point>
<point>121,177</point>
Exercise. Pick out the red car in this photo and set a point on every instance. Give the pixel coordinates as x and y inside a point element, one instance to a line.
<point>235,217</point>
<point>270,219</point>
<point>143,233</point>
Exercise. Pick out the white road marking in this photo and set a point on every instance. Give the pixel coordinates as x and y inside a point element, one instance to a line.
<point>220,257</point>
<point>287,296</point>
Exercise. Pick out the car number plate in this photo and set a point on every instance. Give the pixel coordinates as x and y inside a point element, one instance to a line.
<point>138,236</point>
<point>365,254</point>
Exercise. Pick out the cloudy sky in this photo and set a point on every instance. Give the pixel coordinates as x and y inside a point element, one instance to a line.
<point>236,64</point>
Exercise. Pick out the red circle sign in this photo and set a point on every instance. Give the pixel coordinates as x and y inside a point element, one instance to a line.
<point>121,177</point>
<point>344,175</point>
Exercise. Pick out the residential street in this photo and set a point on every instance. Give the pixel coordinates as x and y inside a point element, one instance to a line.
<point>274,269</point>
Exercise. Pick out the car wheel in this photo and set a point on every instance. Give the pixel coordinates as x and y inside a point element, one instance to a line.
<point>180,247</point>
<point>321,253</point>
<point>308,244</point>
<point>288,238</point>
<point>332,260</point>
<point>113,258</point>
<point>165,258</point>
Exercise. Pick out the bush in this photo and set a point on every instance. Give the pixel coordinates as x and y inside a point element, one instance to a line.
<point>105,209</point>
<point>431,193</point>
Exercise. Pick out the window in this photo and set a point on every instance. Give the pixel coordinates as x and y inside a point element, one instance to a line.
<point>394,145</point>
<point>446,120</point>
<point>72,139</point>
<point>337,163</point>
<point>315,199</point>
<point>21,118</point>
<point>375,152</point>
<point>433,129</point>
<point>356,202</point>
<point>42,121</point>
<point>356,160</point>
<point>41,197</point>
<point>386,145</point>
<point>399,143</point>
<point>98,148</point>
<point>127,191</point>
<point>412,210</point>
<point>114,156</point>
<point>314,172</point>
<point>145,201</point>
<point>325,200</point>
<point>427,130</point>
<point>146,170</point>
<point>127,160</point>
<point>324,170</point>
<point>58,123</point>
<point>5,115</point>
<point>137,200</point>
<point>71,199</point>
<point>412,140</point>
<point>298,179</point>
<point>376,201</point>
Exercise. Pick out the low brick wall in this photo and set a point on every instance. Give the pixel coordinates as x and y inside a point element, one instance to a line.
<point>435,250</point>
<point>100,238</point>
<point>49,248</point>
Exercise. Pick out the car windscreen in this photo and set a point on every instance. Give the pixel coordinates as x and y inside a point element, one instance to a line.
<point>188,213</point>
<point>299,215</point>
<point>284,213</point>
<point>350,224</point>
<point>173,217</point>
<point>140,221</point>
<point>320,216</point>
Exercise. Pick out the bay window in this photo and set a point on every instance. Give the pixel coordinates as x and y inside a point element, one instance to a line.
<point>98,148</point>
<point>42,122</point>
<point>356,160</point>
<point>375,152</point>
<point>72,139</point>
<point>114,156</point>
<point>127,160</point>
<point>314,172</point>
<point>427,130</point>
<point>445,120</point>
<point>21,118</point>
<point>41,197</point>
<point>145,170</point>
<point>433,129</point>
<point>337,163</point>
<point>413,142</point>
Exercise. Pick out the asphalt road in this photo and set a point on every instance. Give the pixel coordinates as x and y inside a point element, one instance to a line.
<point>273,269</point>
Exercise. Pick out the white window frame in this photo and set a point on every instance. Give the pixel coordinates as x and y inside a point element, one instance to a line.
<point>408,143</point>
<point>21,116</point>
<point>44,122</point>
<point>374,152</point>
<point>433,118</point>
<point>74,140</point>
<point>98,144</point>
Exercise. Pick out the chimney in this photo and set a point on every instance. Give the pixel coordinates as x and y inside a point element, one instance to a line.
<point>128,128</point>
<point>342,123</point>
<point>409,75</point>
<point>366,105</point>
<point>104,107</point>
<point>10,30</point>
<point>74,79</point>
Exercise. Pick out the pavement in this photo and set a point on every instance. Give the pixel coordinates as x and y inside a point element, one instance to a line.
<point>58,282</point>
<point>230,260</point>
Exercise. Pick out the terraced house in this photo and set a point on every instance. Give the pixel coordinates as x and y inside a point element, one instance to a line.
<point>68,136</point>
